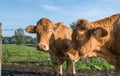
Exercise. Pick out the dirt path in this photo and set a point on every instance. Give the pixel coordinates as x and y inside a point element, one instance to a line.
<point>23,70</point>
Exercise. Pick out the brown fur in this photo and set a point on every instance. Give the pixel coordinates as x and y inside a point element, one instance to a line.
<point>56,36</point>
<point>98,38</point>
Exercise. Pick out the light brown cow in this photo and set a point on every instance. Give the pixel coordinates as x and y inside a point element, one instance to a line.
<point>55,39</point>
<point>98,38</point>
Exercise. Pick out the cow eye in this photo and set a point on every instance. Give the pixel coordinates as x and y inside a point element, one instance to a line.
<point>50,30</point>
<point>79,37</point>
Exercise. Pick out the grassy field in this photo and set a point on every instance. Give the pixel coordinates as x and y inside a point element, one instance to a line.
<point>22,52</point>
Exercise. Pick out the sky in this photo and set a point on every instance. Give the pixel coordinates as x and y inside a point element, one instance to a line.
<point>16,14</point>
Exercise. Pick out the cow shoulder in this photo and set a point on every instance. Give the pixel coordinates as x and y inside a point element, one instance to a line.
<point>59,25</point>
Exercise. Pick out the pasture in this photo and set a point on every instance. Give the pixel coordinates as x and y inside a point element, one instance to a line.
<point>23,52</point>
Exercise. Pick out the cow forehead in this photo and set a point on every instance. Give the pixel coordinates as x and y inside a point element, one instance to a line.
<point>44,22</point>
<point>81,32</point>
<point>44,27</point>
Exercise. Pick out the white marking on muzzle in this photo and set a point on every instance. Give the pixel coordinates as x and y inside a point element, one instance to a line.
<point>44,47</point>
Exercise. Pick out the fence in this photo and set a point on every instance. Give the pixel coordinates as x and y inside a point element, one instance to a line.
<point>0,47</point>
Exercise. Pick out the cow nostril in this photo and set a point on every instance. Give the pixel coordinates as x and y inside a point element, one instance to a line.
<point>44,46</point>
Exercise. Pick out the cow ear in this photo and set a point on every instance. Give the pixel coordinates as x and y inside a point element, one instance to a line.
<point>99,32</point>
<point>30,29</point>
<point>59,25</point>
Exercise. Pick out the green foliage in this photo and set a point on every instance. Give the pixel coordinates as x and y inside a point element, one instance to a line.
<point>6,40</point>
<point>30,40</point>
<point>93,63</point>
<point>19,35</point>
<point>12,40</point>
<point>72,25</point>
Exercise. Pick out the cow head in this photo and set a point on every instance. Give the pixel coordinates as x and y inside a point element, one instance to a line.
<point>44,31</point>
<point>81,35</point>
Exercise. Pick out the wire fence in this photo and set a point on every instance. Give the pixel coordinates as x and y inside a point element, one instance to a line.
<point>10,29</point>
<point>0,47</point>
<point>24,29</point>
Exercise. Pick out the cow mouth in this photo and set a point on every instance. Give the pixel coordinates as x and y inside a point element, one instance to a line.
<point>41,49</point>
<point>74,60</point>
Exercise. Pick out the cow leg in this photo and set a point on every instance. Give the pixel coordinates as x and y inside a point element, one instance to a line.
<point>70,68</point>
<point>57,65</point>
<point>58,69</point>
<point>117,70</point>
<point>117,66</point>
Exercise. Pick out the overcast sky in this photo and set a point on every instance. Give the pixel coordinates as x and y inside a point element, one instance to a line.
<point>16,14</point>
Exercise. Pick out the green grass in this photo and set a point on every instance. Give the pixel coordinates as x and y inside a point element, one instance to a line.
<point>22,52</point>
<point>93,63</point>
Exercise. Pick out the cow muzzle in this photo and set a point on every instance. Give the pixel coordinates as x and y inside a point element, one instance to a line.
<point>43,47</point>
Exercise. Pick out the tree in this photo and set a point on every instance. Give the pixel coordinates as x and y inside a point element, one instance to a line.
<point>13,40</point>
<point>72,25</point>
<point>33,40</point>
<point>28,39</point>
<point>19,35</point>
<point>6,41</point>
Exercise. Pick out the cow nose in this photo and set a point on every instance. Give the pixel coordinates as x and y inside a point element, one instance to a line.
<point>43,47</point>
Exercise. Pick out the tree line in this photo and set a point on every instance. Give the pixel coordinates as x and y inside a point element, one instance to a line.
<point>19,38</point>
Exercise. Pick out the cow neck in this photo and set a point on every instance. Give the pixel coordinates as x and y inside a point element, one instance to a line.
<point>90,46</point>
<point>106,22</point>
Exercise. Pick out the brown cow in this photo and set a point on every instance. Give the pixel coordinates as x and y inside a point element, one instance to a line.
<point>98,38</point>
<point>55,39</point>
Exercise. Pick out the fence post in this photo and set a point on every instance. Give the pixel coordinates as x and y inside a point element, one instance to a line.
<point>0,49</point>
